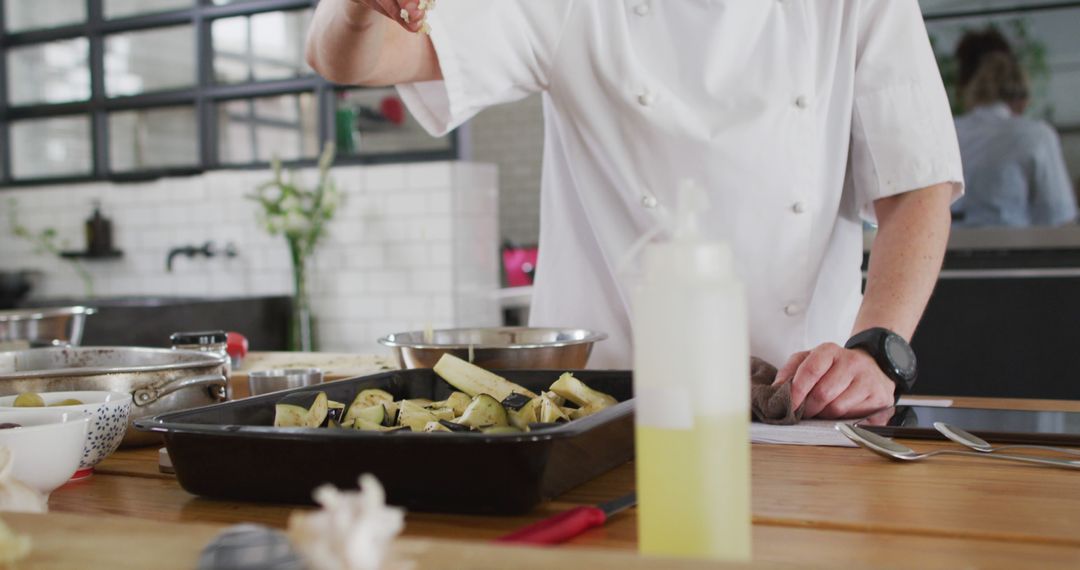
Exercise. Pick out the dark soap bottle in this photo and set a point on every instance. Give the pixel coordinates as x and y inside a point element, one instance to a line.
<point>98,233</point>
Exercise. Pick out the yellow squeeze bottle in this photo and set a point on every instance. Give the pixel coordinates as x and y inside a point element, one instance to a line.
<point>692,396</point>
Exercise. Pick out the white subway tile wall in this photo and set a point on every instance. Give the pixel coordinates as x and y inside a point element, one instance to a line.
<point>398,256</point>
<point>512,137</point>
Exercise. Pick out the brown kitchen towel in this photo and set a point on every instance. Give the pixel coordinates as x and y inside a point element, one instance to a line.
<point>770,404</point>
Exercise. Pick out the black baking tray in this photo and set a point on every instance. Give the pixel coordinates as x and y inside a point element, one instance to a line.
<point>232,451</point>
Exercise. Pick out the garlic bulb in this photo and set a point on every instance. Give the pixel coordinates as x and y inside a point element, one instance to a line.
<point>352,531</point>
<point>14,494</point>
<point>13,547</point>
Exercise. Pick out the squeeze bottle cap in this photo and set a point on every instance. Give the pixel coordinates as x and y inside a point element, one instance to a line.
<point>688,256</point>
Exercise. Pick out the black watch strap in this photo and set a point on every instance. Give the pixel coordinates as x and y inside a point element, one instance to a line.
<point>893,355</point>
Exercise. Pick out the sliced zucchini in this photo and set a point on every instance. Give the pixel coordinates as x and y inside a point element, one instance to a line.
<point>373,414</point>
<point>577,392</point>
<point>454,426</point>
<point>559,400</point>
<point>422,402</point>
<point>474,380</point>
<point>366,399</point>
<point>335,411</point>
<point>391,413</point>
<point>371,397</point>
<point>364,425</point>
<point>414,416</point>
<point>457,401</point>
<point>301,409</point>
<point>436,426</point>
<point>442,413</point>
<point>529,413</point>
<point>484,411</point>
<point>515,401</point>
<point>551,412</point>
<point>542,426</point>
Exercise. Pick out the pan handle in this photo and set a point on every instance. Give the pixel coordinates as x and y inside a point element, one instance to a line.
<point>150,394</point>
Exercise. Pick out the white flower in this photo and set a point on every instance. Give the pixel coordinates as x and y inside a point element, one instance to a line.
<point>272,193</point>
<point>352,531</point>
<point>296,223</point>
<point>290,204</point>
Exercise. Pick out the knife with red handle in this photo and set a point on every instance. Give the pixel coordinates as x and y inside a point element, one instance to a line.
<point>568,524</point>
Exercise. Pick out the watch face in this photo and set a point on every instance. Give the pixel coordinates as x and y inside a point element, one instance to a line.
<point>901,355</point>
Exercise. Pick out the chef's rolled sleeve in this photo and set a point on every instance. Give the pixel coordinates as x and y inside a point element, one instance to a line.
<point>489,53</point>
<point>902,134</point>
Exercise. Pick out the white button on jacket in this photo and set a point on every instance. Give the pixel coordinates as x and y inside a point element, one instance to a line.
<point>755,100</point>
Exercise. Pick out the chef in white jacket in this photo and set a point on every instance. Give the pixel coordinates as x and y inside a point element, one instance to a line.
<point>801,118</point>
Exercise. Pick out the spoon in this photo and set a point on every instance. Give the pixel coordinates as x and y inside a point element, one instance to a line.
<point>979,444</point>
<point>893,450</point>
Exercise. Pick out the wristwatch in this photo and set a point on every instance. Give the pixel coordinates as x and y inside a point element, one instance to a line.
<point>892,353</point>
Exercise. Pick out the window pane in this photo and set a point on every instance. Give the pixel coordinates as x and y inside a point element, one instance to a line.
<point>122,8</point>
<point>150,60</point>
<point>375,121</point>
<point>152,138</point>
<point>256,130</point>
<point>43,148</point>
<point>20,15</point>
<point>260,47</point>
<point>54,72</point>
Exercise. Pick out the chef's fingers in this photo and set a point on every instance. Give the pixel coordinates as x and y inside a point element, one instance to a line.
<point>788,370</point>
<point>405,12</point>
<point>870,392</point>
<point>834,391</point>
<point>812,369</point>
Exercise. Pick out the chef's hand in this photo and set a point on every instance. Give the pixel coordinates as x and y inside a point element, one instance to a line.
<point>836,382</point>
<point>392,9</point>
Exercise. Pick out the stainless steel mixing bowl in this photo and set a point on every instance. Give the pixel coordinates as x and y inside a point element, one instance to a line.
<point>516,348</point>
<point>33,328</point>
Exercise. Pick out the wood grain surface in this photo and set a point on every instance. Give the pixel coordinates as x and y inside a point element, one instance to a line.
<point>833,507</point>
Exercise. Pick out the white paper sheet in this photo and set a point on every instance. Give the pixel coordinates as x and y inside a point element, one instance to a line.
<point>821,432</point>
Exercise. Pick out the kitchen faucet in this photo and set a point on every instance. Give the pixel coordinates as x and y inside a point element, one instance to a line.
<point>207,250</point>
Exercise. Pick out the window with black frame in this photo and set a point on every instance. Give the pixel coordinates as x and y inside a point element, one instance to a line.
<point>116,89</point>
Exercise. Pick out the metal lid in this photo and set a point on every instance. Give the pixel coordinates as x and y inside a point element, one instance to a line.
<point>198,337</point>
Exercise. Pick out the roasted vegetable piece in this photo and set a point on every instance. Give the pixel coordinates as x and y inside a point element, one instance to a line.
<point>431,427</point>
<point>364,425</point>
<point>559,400</point>
<point>442,413</point>
<point>537,426</point>
<point>414,416</point>
<point>422,402</point>
<point>366,399</point>
<point>391,413</point>
<point>529,413</point>
<point>457,401</point>
<point>474,380</point>
<point>515,401</point>
<point>484,411</point>
<point>577,392</point>
<point>550,412</point>
<point>301,409</point>
<point>335,411</point>
<point>453,426</point>
<point>583,411</point>
<point>374,414</point>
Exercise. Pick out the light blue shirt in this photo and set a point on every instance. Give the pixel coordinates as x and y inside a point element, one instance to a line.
<point>1014,171</point>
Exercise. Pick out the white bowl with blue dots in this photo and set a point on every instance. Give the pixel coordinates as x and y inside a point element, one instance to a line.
<point>109,412</point>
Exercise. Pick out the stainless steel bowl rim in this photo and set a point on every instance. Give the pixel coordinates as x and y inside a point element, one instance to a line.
<point>201,359</point>
<point>44,313</point>
<point>588,336</point>
<point>284,372</point>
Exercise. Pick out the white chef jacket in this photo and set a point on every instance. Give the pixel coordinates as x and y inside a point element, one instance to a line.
<point>1014,169</point>
<point>795,115</point>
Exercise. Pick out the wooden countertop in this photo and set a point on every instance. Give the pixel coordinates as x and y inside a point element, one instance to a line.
<point>828,507</point>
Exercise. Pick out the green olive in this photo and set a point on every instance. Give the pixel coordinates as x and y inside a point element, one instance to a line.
<point>68,402</point>
<point>29,400</point>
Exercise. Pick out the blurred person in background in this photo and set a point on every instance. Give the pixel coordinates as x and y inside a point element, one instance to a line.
<point>1013,166</point>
